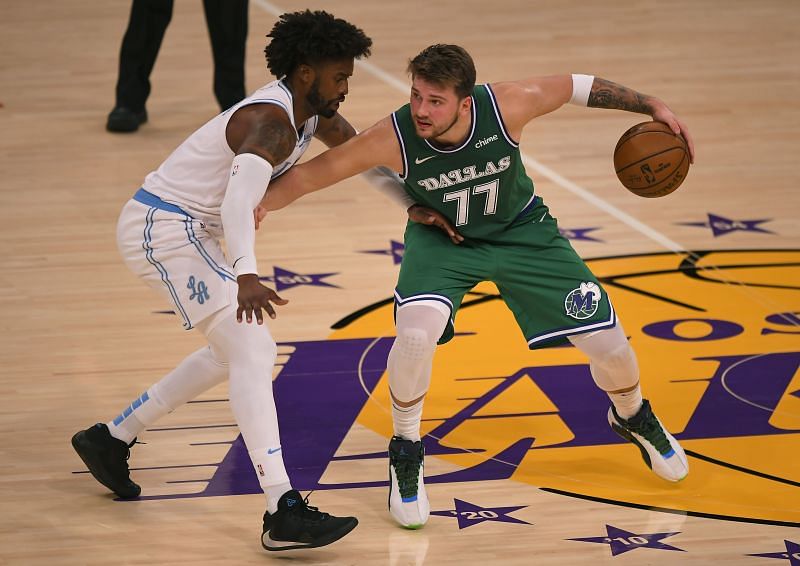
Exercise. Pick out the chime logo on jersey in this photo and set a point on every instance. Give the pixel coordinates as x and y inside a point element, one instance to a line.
<point>719,363</point>
<point>582,303</point>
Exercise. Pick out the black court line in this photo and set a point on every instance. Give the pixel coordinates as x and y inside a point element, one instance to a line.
<point>690,269</point>
<point>612,282</point>
<point>747,471</point>
<point>673,511</point>
<point>215,464</point>
<point>687,266</point>
<point>192,427</point>
<point>352,317</point>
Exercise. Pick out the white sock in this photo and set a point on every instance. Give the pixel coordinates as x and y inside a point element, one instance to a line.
<point>271,473</point>
<point>627,404</point>
<point>143,411</point>
<point>274,493</point>
<point>127,430</point>
<point>407,421</point>
<point>198,372</point>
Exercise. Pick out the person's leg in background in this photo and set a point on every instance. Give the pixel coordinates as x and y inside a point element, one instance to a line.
<point>227,28</point>
<point>146,27</point>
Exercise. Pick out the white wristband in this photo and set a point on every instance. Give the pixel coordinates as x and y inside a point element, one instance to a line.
<point>250,175</point>
<point>581,87</point>
<point>390,184</point>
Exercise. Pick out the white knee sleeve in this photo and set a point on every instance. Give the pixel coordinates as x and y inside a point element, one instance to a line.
<point>419,327</point>
<point>617,370</point>
<point>612,361</point>
<point>250,353</point>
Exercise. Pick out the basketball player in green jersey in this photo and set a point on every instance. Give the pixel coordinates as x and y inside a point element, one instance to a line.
<point>456,147</point>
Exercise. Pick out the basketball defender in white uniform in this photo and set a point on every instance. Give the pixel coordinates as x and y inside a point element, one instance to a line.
<point>169,235</point>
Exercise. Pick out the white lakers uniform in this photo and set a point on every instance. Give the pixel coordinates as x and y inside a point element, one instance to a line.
<point>169,232</point>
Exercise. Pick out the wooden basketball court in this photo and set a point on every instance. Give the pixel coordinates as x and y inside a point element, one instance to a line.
<point>521,464</point>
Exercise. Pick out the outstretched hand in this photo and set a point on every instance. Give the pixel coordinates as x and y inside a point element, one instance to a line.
<point>431,217</point>
<point>663,113</point>
<point>253,296</point>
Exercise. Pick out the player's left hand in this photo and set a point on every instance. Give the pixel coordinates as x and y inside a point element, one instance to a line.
<point>253,296</point>
<point>425,215</point>
<point>663,113</point>
<point>258,215</point>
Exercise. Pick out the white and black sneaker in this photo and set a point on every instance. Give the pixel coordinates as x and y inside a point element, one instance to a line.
<point>297,525</point>
<point>408,501</point>
<point>660,451</point>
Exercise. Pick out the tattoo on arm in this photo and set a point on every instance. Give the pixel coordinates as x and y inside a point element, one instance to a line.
<point>336,132</point>
<point>606,94</point>
<point>276,139</point>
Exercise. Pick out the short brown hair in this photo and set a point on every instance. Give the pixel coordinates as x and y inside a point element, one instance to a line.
<point>445,65</point>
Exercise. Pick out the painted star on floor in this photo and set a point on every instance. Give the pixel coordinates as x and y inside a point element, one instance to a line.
<point>792,553</point>
<point>469,514</point>
<point>395,250</point>
<point>285,279</point>
<point>578,234</point>
<point>720,225</point>
<point>622,541</point>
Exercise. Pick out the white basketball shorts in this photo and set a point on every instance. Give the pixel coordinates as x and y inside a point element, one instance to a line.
<point>175,255</point>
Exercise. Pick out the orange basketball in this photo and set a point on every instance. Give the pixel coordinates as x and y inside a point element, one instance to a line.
<point>650,160</point>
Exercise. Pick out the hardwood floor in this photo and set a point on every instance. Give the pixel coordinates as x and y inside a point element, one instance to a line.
<point>706,282</point>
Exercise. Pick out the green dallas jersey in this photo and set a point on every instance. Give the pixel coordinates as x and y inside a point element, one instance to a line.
<point>480,186</point>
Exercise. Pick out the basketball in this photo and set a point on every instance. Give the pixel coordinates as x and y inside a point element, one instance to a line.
<point>650,160</point>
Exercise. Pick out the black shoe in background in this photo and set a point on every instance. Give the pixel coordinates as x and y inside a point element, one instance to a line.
<point>107,459</point>
<point>122,119</point>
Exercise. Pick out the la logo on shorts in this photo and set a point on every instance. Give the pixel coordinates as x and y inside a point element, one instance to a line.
<point>582,303</point>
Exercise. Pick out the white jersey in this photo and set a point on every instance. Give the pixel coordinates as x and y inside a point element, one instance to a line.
<point>195,176</point>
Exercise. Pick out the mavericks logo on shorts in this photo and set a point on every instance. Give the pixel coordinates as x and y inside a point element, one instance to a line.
<point>582,303</point>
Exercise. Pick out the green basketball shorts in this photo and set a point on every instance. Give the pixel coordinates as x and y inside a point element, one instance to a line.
<point>547,286</point>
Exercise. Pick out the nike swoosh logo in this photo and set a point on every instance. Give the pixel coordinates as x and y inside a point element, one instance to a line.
<point>273,450</point>
<point>417,160</point>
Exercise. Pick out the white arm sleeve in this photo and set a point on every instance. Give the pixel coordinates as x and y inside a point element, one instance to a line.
<point>390,184</point>
<point>581,88</point>
<point>250,175</point>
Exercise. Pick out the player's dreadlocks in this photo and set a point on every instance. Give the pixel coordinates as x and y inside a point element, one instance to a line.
<point>312,37</point>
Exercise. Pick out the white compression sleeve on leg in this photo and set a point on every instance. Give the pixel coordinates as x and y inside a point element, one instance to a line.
<point>390,184</point>
<point>195,374</point>
<point>612,361</point>
<point>419,327</point>
<point>250,351</point>
<point>581,88</point>
<point>250,175</point>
